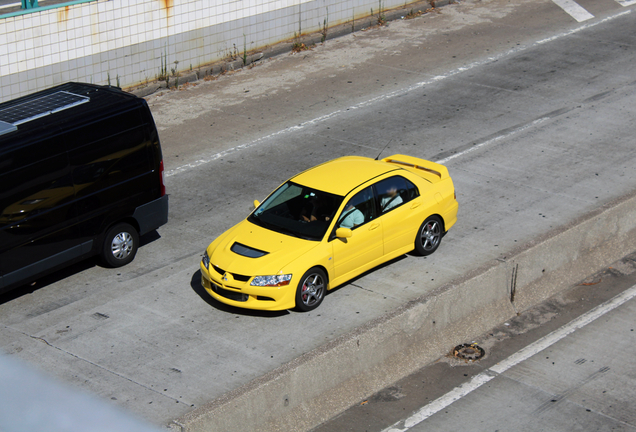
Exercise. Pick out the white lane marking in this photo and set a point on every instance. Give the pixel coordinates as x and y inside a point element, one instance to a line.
<point>626,2</point>
<point>493,140</point>
<point>441,403</point>
<point>516,358</point>
<point>388,96</point>
<point>574,9</point>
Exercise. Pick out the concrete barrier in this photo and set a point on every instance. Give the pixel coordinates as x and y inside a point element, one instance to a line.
<point>322,383</point>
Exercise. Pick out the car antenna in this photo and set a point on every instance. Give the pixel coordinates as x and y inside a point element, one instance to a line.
<point>384,148</point>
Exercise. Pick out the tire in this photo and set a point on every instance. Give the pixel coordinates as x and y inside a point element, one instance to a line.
<point>311,290</point>
<point>120,245</point>
<point>429,236</point>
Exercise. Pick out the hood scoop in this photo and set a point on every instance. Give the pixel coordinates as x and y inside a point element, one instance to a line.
<point>247,251</point>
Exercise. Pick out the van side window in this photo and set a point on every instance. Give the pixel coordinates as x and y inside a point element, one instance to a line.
<point>33,188</point>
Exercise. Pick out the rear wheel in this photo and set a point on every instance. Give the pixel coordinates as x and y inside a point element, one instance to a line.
<point>311,290</point>
<point>429,236</point>
<point>120,245</point>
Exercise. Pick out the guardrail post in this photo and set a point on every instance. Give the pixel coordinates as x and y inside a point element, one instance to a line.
<point>29,4</point>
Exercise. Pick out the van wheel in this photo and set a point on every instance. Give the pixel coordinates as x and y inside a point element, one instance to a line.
<point>120,245</point>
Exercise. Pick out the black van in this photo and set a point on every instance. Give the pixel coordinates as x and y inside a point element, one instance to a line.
<point>81,174</point>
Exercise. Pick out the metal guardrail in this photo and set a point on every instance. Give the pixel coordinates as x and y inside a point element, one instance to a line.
<point>32,6</point>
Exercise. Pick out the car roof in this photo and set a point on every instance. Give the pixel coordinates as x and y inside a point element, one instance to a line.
<point>344,174</point>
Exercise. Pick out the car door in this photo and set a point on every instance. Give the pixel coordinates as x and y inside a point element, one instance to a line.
<point>357,253</point>
<point>400,212</point>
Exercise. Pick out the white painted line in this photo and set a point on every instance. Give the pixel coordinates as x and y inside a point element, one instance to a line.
<point>10,5</point>
<point>450,397</point>
<point>493,140</point>
<point>626,2</point>
<point>583,27</point>
<point>574,9</point>
<point>559,334</point>
<point>516,358</point>
<point>390,95</point>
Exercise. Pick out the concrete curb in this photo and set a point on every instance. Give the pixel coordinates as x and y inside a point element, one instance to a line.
<point>218,68</point>
<point>318,385</point>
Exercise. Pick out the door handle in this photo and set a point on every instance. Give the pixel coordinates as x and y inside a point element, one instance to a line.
<point>416,204</point>
<point>373,226</point>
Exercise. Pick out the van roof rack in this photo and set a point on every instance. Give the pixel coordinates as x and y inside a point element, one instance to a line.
<point>23,112</point>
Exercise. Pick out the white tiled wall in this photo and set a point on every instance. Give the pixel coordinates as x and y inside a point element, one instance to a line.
<point>128,38</point>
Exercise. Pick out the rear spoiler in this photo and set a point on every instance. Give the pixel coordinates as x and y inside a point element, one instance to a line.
<point>419,166</point>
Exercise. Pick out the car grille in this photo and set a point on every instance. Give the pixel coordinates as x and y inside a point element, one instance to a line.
<point>238,277</point>
<point>229,294</point>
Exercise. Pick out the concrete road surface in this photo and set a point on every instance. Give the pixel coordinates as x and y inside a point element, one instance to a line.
<point>531,110</point>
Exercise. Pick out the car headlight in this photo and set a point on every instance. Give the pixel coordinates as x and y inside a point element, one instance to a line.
<point>206,260</point>
<point>271,281</point>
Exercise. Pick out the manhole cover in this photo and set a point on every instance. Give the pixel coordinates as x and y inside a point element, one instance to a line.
<point>468,351</point>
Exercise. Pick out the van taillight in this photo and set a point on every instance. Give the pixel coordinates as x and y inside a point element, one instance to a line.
<point>163,186</point>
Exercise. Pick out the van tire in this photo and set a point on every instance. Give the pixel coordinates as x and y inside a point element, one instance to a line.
<point>120,245</point>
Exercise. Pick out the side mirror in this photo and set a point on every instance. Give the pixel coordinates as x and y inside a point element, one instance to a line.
<point>344,232</point>
<point>256,203</point>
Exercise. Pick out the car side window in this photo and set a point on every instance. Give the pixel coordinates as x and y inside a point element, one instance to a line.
<point>394,191</point>
<point>411,191</point>
<point>359,210</point>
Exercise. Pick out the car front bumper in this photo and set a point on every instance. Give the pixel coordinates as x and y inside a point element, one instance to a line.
<point>246,296</point>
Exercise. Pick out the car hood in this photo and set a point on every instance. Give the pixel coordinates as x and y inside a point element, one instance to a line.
<point>231,252</point>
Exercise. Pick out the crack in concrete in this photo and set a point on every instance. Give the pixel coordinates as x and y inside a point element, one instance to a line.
<point>374,292</point>
<point>41,339</point>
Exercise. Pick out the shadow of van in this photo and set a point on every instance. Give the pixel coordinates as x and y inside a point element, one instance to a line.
<point>64,272</point>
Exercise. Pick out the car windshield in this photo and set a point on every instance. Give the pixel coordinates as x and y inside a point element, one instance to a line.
<point>297,210</point>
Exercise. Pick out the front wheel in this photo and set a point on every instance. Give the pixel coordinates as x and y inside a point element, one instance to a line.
<point>311,290</point>
<point>429,236</point>
<point>120,245</point>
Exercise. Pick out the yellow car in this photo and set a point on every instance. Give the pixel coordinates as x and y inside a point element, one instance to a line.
<point>326,226</point>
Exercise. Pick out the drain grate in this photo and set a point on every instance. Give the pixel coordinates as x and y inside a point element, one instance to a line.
<point>468,352</point>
